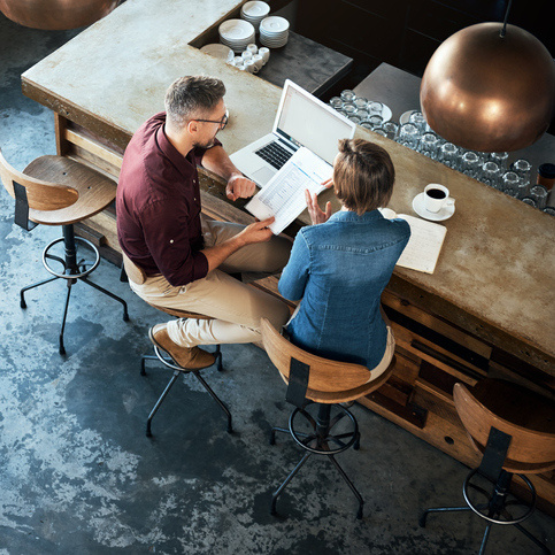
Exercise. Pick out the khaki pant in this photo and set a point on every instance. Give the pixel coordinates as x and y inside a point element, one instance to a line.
<point>236,308</point>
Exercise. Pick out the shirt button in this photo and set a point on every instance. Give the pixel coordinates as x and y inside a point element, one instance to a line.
<point>195,198</point>
<point>171,241</point>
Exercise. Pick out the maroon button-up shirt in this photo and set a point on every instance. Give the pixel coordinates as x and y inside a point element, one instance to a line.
<point>158,206</point>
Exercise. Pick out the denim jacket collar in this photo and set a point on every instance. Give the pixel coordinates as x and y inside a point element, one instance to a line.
<point>350,216</point>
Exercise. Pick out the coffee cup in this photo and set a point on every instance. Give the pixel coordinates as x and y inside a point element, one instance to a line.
<point>436,197</point>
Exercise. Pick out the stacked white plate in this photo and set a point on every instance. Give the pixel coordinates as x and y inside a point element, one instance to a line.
<point>274,31</point>
<point>236,33</point>
<point>254,12</point>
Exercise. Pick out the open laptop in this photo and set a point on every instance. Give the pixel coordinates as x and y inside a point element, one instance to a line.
<point>301,120</point>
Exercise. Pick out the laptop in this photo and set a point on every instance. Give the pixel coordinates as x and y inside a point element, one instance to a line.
<point>301,120</point>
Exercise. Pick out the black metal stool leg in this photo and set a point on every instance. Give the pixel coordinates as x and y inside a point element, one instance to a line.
<point>216,398</point>
<point>62,348</point>
<point>273,510</point>
<point>424,516</point>
<point>350,484</point>
<point>159,402</point>
<point>533,538</point>
<point>485,539</point>
<point>143,359</point>
<point>273,434</point>
<point>22,302</point>
<point>218,354</point>
<point>110,294</point>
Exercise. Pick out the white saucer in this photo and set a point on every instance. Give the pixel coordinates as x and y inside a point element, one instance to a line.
<point>386,113</point>
<point>444,214</point>
<point>405,116</point>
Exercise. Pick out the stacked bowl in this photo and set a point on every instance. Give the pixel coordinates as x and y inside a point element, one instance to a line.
<point>254,12</point>
<point>236,33</point>
<point>274,31</point>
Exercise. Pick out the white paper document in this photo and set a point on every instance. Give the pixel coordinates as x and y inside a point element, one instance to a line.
<point>425,243</point>
<point>284,195</point>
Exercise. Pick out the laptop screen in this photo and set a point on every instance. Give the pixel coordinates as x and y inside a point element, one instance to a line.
<point>308,122</point>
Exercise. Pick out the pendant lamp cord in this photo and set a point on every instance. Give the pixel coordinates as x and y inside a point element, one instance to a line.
<point>504,28</point>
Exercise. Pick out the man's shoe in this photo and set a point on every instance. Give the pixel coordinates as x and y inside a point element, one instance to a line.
<point>188,358</point>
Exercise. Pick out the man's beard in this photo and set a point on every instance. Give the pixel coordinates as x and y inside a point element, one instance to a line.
<point>208,144</point>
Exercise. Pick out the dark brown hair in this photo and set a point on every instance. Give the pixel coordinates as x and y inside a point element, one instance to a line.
<point>363,175</point>
<point>192,97</point>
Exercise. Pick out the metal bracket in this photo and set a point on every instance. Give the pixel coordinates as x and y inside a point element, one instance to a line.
<point>22,208</point>
<point>495,454</point>
<point>298,383</point>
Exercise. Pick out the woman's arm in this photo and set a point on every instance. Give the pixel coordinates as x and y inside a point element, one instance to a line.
<point>295,275</point>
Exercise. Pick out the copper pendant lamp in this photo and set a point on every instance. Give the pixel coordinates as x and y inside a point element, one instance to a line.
<point>55,15</point>
<point>490,87</point>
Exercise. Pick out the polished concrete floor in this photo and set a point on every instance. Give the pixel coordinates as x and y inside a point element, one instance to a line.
<point>77,474</point>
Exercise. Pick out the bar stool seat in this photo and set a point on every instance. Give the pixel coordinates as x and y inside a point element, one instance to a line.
<point>513,430</point>
<point>137,275</point>
<point>55,190</point>
<point>325,384</point>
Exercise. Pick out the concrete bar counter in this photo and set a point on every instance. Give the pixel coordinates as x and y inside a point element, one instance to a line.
<point>489,308</point>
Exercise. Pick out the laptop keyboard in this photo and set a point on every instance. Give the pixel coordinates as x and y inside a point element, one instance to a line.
<point>274,154</point>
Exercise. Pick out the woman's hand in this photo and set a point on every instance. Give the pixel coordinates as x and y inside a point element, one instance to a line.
<point>316,214</point>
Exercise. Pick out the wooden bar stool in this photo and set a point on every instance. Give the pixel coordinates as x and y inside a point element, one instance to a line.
<point>326,383</point>
<point>54,190</point>
<point>137,275</point>
<point>513,429</point>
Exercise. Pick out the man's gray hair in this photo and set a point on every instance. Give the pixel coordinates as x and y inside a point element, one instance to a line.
<point>192,97</point>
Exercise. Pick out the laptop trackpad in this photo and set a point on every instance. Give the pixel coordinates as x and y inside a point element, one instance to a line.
<point>263,175</point>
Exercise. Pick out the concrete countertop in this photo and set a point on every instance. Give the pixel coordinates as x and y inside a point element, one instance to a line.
<point>498,259</point>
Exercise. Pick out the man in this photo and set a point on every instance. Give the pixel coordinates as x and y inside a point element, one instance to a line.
<point>184,255</point>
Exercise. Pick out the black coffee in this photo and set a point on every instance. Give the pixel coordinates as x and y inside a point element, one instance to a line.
<point>436,193</point>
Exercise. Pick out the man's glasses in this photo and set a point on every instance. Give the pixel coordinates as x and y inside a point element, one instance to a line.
<point>222,123</point>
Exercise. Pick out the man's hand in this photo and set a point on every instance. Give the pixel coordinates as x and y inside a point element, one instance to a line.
<point>238,186</point>
<point>316,214</point>
<point>258,232</point>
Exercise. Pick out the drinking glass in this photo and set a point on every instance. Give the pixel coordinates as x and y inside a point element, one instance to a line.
<point>539,194</point>
<point>501,159</point>
<point>375,108</point>
<point>375,121</point>
<point>449,155</point>
<point>491,174</point>
<point>348,96</point>
<point>523,168</point>
<point>471,164</point>
<point>417,118</point>
<point>510,182</point>
<point>360,102</point>
<point>529,201</point>
<point>549,210</point>
<point>428,145</point>
<point>362,113</point>
<point>336,102</point>
<point>523,188</point>
<point>409,135</point>
<point>355,119</point>
<point>391,129</point>
<point>247,55</point>
<point>380,131</point>
<point>350,109</point>
<point>366,125</point>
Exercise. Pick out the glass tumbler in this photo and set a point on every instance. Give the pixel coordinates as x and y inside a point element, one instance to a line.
<point>491,174</point>
<point>471,164</point>
<point>417,118</point>
<point>449,155</point>
<point>523,168</point>
<point>336,103</point>
<point>348,95</point>
<point>375,108</point>
<point>362,113</point>
<point>375,121</point>
<point>539,194</point>
<point>361,103</point>
<point>428,145</point>
<point>510,182</point>
<point>391,128</point>
<point>501,159</point>
<point>355,119</point>
<point>350,109</point>
<point>409,136</point>
<point>380,131</point>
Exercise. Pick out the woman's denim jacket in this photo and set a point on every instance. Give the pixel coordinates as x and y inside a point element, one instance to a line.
<point>339,270</point>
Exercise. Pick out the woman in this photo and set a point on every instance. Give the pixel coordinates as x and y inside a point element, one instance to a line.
<point>340,266</point>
